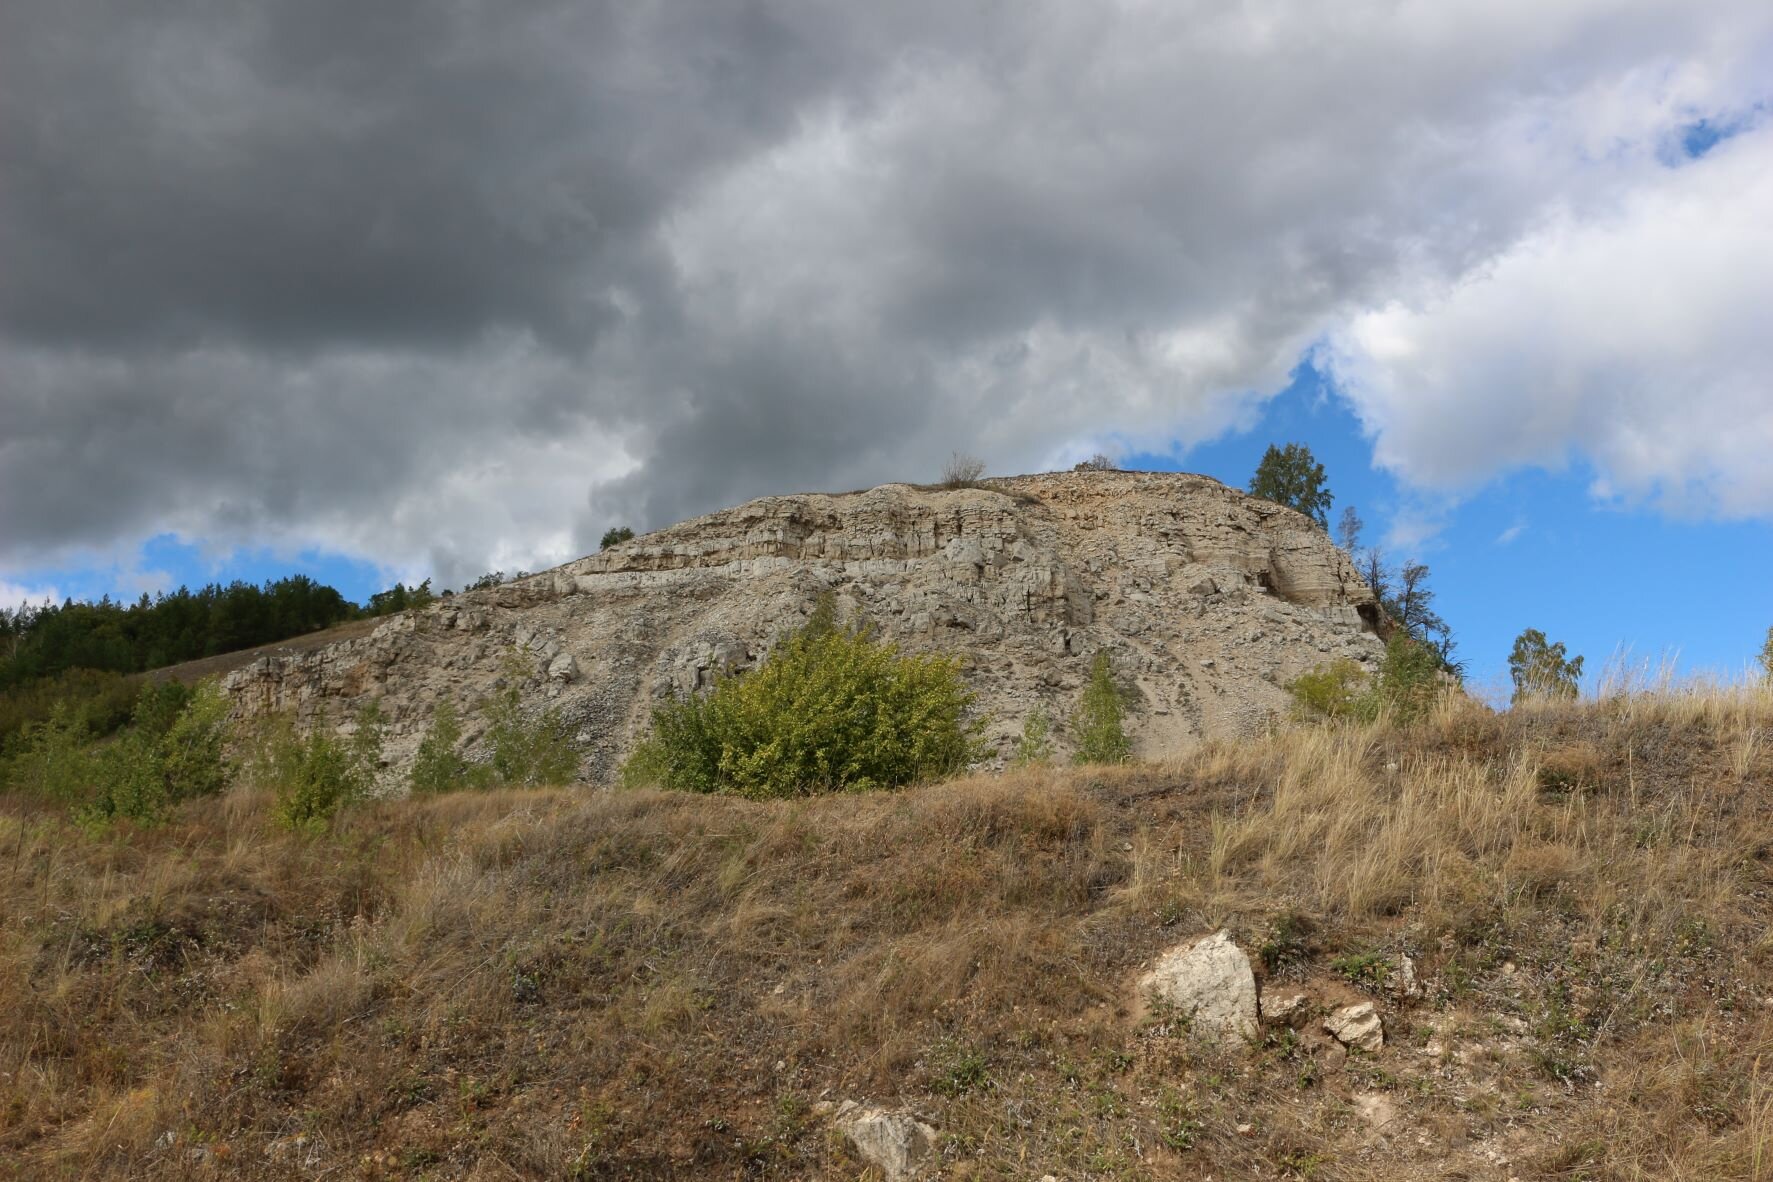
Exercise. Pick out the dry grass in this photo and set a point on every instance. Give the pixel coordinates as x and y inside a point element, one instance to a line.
<point>559,984</point>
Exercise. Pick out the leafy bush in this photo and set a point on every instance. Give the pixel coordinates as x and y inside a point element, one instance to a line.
<point>103,700</point>
<point>1035,745</point>
<point>439,767</point>
<point>1334,690</point>
<point>55,760</point>
<point>615,535</point>
<point>1766,657</point>
<point>526,752</point>
<point>1410,678</point>
<point>191,749</point>
<point>314,776</point>
<point>1097,723</point>
<point>172,751</point>
<point>832,709</point>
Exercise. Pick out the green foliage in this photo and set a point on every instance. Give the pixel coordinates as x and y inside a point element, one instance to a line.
<point>1766,657</point>
<point>831,710</point>
<point>615,535</point>
<point>1541,669</point>
<point>102,700</point>
<point>314,776</point>
<point>1363,968</point>
<point>528,752</point>
<point>1097,723</point>
<point>439,767</point>
<point>1335,690</point>
<point>131,783</point>
<point>1408,600</point>
<point>1291,476</point>
<point>55,760</point>
<point>1409,680</point>
<point>1035,745</point>
<point>400,598</point>
<point>191,749</point>
<point>185,625</point>
<point>172,751</point>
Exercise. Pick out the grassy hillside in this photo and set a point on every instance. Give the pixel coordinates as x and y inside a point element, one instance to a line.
<point>573,984</point>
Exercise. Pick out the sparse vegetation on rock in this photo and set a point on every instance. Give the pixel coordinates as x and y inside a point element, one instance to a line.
<point>1097,728</point>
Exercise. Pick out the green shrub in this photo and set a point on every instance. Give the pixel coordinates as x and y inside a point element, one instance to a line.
<point>528,752</point>
<point>104,701</point>
<point>1410,678</point>
<point>172,751</point>
<point>312,777</point>
<point>191,749</point>
<point>615,535</point>
<point>1765,658</point>
<point>131,783</point>
<point>1335,690</point>
<point>1036,745</point>
<point>439,767</point>
<point>1097,724</point>
<point>832,709</point>
<point>55,760</point>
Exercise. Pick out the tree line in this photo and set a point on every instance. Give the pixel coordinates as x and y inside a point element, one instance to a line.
<point>48,640</point>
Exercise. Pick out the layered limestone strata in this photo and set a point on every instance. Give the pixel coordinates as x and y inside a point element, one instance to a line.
<point>1209,601</point>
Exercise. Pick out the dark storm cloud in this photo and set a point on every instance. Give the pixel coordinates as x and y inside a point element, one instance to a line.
<point>454,286</point>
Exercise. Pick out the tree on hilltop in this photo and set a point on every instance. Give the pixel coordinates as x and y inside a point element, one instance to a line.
<point>1541,669</point>
<point>1291,476</point>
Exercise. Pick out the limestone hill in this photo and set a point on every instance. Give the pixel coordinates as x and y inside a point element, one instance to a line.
<point>1210,601</point>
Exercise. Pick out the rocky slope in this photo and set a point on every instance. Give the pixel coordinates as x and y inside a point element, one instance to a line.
<point>1209,601</point>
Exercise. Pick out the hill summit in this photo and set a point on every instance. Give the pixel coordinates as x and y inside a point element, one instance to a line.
<point>1208,601</point>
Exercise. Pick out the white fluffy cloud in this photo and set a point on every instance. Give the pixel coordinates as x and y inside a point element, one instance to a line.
<point>1640,340</point>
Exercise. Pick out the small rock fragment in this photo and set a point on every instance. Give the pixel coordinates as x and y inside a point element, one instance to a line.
<point>1285,1009</point>
<point>1357,1026</point>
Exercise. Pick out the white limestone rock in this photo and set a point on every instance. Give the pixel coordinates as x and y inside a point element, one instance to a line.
<point>1209,981</point>
<point>893,1141</point>
<point>1357,1026</point>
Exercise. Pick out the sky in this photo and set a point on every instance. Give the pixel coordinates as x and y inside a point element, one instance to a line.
<point>413,290</point>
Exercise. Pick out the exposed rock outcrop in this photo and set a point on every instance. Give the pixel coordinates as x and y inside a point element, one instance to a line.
<point>1209,600</point>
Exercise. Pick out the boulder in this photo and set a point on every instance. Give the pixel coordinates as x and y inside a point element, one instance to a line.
<point>1357,1026</point>
<point>1210,982</point>
<point>893,1141</point>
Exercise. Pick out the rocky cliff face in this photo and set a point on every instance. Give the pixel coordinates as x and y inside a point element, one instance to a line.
<point>1208,600</point>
